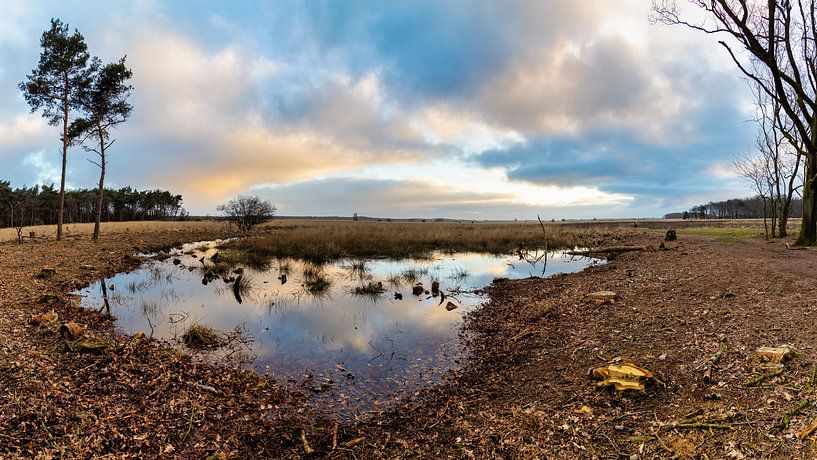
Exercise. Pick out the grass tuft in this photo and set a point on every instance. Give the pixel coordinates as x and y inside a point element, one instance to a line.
<point>370,289</point>
<point>201,337</point>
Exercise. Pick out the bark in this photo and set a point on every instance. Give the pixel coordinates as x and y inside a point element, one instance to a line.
<point>101,190</point>
<point>808,226</point>
<point>64,158</point>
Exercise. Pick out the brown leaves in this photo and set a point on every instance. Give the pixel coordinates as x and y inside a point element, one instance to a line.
<point>43,319</point>
<point>71,330</point>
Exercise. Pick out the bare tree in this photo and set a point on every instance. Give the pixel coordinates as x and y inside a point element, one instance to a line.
<point>782,159</point>
<point>245,212</point>
<point>754,168</point>
<point>774,44</point>
<point>105,105</point>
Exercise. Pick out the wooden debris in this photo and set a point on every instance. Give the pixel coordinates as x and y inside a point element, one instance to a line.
<point>608,250</point>
<point>71,330</point>
<point>774,355</point>
<point>697,426</point>
<point>307,449</point>
<point>88,346</point>
<point>806,432</point>
<point>623,376</point>
<point>602,295</point>
<point>722,347</point>
<point>784,424</point>
<point>763,377</point>
<point>45,318</point>
<point>208,389</point>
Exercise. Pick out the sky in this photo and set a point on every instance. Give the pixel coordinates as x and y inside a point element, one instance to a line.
<point>407,108</point>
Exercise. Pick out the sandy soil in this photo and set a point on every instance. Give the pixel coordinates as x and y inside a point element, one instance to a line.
<point>525,393</point>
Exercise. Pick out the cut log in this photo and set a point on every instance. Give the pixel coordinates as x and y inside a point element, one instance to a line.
<point>607,250</point>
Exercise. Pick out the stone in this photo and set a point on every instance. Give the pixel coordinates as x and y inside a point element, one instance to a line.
<point>671,235</point>
<point>418,289</point>
<point>451,306</point>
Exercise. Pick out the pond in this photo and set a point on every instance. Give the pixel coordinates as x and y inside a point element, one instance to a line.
<point>356,333</point>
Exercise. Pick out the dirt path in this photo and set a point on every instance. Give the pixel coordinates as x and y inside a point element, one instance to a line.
<point>525,394</point>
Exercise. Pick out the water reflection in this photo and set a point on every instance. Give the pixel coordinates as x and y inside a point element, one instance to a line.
<point>356,332</point>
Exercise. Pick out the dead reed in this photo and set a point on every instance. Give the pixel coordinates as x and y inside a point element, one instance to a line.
<point>324,241</point>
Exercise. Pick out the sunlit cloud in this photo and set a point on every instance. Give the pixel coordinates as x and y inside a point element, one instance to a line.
<point>563,107</point>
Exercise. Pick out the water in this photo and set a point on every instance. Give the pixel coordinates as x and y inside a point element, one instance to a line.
<point>353,351</point>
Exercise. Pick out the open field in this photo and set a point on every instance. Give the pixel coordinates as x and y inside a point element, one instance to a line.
<point>523,393</point>
<point>111,229</point>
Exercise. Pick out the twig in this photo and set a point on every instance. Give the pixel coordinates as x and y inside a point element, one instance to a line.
<point>189,426</point>
<point>697,426</point>
<point>784,424</point>
<point>722,347</point>
<point>762,377</point>
<point>307,449</point>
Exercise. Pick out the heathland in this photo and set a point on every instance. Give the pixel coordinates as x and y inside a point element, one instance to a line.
<point>523,392</point>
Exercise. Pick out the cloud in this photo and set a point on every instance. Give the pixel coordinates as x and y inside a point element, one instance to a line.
<point>429,106</point>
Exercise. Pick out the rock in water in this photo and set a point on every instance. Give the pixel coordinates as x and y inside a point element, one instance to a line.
<point>418,289</point>
<point>451,306</point>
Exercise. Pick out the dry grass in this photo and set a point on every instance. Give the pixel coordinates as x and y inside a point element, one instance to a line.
<point>111,229</point>
<point>201,337</point>
<point>322,241</point>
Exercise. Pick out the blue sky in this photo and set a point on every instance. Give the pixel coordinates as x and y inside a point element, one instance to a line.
<point>475,110</point>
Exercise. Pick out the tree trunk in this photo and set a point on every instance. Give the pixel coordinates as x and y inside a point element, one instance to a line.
<point>64,158</point>
<point>808,227</point>
<point>101,190</point>
<point>783,221</point>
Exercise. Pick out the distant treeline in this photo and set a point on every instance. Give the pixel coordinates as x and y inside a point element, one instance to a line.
<point>736,208</point>
<point>39,205</point>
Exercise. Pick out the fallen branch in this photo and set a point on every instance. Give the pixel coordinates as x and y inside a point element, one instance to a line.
<point>796,248</point>
<point>763,377</point>
<point>722,347</point>
<point>608,250</point>
<point>805,432</point>
<point>784,424</point>
<point>308,450</point>
<point>696,426</point>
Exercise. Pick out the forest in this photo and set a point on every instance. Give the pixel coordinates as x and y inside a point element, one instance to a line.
<point>735,208</point>
<point>39,205</point>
